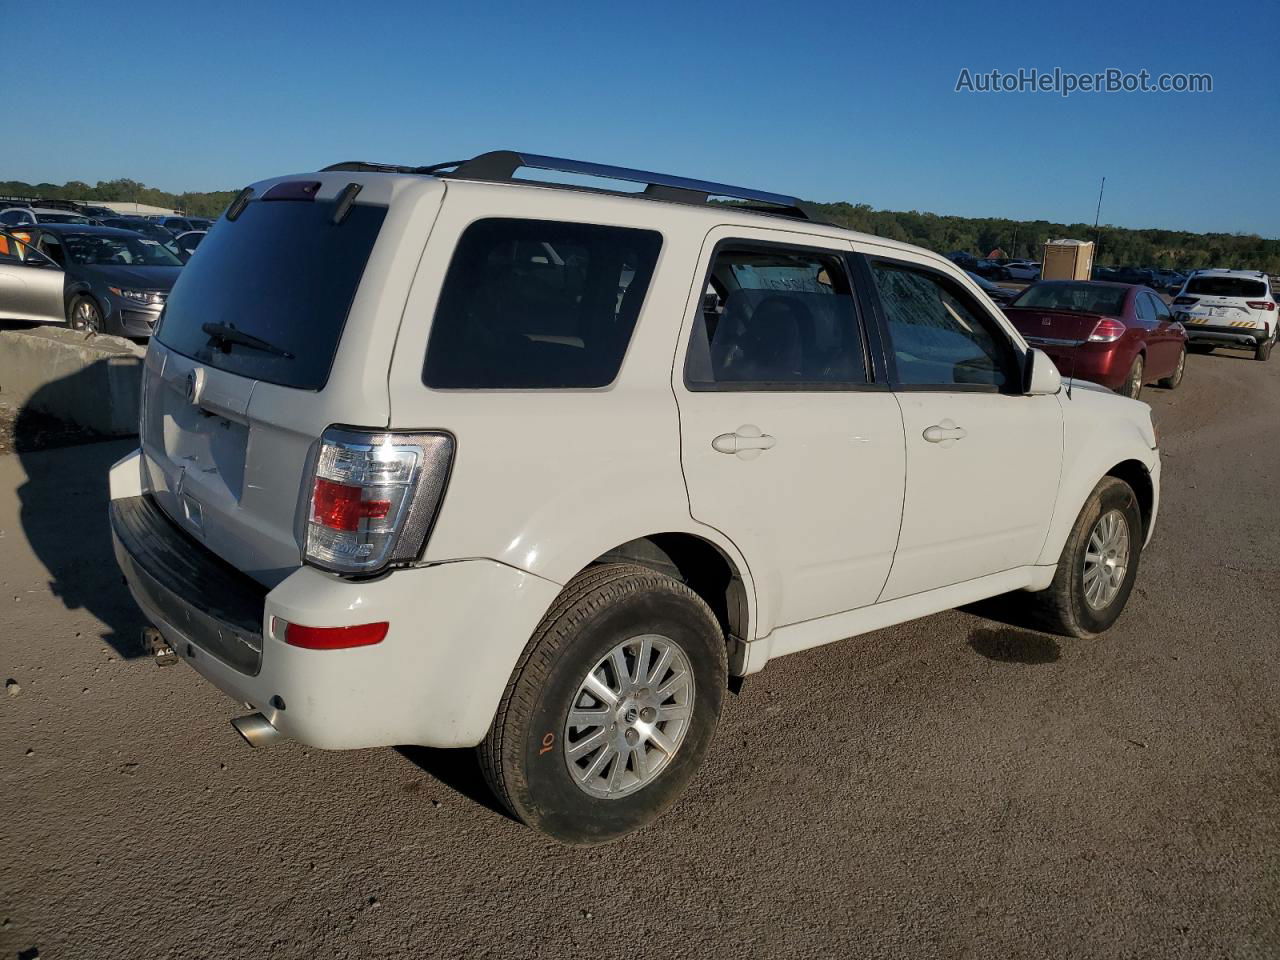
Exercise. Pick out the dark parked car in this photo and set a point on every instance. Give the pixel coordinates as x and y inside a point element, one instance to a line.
<point>187,243</point>
<point>999,295</point>
<point>89,277</point>
<point>144,227</point>
<point>1119,335</point>
<point>1136,275</point>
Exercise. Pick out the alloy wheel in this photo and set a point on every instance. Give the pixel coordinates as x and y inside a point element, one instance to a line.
<point>629,716</point>
<point>1106,559</point>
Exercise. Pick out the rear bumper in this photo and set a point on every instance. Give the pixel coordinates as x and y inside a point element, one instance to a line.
<point>1224,335</point>
<point>456,633</point>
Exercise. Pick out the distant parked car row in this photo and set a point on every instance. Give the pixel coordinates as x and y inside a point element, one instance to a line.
<point>1157,278</point>
<point>1003,268</point>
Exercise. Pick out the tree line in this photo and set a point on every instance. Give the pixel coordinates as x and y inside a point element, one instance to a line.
<point>208,204</point>
<point>1118,246</point>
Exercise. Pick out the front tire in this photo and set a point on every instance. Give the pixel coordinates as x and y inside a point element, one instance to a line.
<point>1174,380</point>
<point>83,314</point>
<point>612,707</point>
<point>1098,565</point>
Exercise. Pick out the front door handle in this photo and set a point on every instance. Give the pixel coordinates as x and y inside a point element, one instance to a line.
<point>945,433</point>
<point>748,442</point>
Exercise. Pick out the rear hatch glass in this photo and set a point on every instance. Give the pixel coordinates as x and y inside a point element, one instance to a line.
<point>1226,287</point>
<point>269,294</point>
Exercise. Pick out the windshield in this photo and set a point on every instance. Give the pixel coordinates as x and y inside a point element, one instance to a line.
<point>282,272</point>
<point>1079,297</point>
<point>1226,287</point>
<point>92,249</point>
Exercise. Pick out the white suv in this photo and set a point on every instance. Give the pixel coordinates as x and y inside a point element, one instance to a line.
<point>1228,308</point>
<point>439,456</point>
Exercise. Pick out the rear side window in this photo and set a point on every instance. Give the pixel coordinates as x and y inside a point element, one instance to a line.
<point>283,274</point>
<point>538,304</point>
<point>1226,287</point>
<point>776,318</point>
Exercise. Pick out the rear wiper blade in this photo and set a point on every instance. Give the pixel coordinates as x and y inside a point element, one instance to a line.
<point>226,334</point>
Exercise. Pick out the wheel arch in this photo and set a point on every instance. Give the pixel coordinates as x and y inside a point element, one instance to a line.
<point>1138,477</point>
<point>706,567</point>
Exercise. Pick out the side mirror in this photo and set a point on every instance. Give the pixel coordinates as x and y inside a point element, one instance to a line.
<point>1042,377</point>
<point>35,258</point>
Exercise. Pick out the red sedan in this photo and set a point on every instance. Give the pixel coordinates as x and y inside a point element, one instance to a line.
<point>1116,334</point>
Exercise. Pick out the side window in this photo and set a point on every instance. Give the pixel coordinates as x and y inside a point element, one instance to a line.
<point>52,249</point>
<point>531,304</point>
<point>1160,307</point>
<point>774,317</point>
<point>938,337</point>
<point>1146,312</point>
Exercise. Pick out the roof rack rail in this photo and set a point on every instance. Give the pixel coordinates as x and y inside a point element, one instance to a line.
<point>501,166</point>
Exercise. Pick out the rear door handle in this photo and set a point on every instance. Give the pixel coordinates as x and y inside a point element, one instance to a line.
<point>748,442</point>
<point>945,433</point>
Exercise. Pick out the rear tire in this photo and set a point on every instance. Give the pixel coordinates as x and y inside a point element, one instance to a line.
<point>1174,380</point>
<point>1073,606</point>
<point>1133,382</point>
<point>1263,350</point>
<point>545,770</point>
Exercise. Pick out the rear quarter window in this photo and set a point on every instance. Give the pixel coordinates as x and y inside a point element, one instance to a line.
<point>538,304</point>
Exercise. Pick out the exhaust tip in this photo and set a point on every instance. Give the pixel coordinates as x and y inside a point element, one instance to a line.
<point>256,729</point>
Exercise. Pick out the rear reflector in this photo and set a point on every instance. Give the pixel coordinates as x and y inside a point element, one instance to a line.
<point>1260,305</point>
<point>335,638</point>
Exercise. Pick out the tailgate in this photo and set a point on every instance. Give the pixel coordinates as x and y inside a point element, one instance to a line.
<point>245,371</point>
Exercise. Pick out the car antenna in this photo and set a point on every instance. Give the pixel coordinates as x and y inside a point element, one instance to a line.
<point>1071,377</point>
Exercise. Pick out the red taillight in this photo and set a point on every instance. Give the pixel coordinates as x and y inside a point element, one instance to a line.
<point>341,506</point>
<point>1108,330</point>
<point>1260,305</point>
<point>335,638</point>
<point>1185,301</point>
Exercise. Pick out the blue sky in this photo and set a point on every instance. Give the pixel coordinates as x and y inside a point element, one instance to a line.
<point>829,101</point>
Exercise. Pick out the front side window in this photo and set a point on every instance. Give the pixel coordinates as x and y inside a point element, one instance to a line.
<point>538,304</point>
<point>776,318</point>
<point>937,336</point>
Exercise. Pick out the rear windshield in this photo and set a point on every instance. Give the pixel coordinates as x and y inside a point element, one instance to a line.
<point>281,273</point>
<point>1080,297</point>
<point>537,304</point>
<point>1226,287</point>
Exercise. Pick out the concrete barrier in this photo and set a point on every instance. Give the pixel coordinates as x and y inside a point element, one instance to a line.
<point>94,382</point>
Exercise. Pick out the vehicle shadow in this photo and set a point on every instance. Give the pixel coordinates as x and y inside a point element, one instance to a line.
<point>63,512</point>
<point>1009,645</point>
<point>459,770</point>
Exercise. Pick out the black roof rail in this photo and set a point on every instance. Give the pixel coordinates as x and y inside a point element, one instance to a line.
<point>501,166</point>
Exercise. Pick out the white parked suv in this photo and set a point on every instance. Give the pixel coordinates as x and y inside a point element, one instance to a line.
<point>438,456</point>
<point>1228,308</point>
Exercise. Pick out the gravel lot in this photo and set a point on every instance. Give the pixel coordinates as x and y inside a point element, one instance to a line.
<point>953,787</point>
